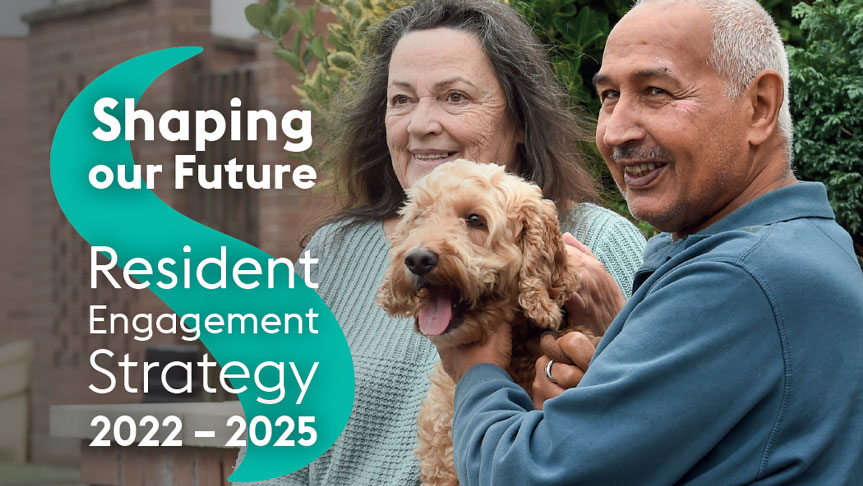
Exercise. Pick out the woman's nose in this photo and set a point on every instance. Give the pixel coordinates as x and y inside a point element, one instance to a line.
<point>425,119</point>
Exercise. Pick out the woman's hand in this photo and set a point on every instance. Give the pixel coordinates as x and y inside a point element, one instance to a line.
<point>579,348</point>
<point>598,299</point>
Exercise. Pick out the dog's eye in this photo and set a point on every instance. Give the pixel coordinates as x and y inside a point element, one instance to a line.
<point>475,221</point>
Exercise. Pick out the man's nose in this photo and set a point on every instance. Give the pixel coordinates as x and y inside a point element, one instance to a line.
<point>425,118</point>
<point>622,125</point>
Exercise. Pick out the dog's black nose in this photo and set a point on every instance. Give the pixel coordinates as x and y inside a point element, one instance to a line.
<point>420,260</point>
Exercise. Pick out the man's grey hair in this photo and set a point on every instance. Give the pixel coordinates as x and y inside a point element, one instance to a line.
<point>746,41</point>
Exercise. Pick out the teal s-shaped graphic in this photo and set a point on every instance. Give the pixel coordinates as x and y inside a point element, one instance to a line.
<point>136,223</point>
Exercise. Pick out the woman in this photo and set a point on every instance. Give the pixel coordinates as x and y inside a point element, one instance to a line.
<point>443,79</point>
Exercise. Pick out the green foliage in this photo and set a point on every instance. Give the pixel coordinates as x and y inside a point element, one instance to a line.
<point>575,31</point>
<point>322,60</point>
<point>789,28</point>
<point>827,105</point>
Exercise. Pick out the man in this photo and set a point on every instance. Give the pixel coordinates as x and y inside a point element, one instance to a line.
<point>738,358</point>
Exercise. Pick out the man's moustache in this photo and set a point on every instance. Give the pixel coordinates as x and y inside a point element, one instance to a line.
<point>639,152</point>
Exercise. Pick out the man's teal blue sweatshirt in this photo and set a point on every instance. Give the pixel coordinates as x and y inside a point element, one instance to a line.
<point>738,360</point>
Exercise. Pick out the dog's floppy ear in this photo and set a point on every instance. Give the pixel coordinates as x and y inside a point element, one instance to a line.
<point>394,305</point>
<point>544,282</point>
<point>391,294</point>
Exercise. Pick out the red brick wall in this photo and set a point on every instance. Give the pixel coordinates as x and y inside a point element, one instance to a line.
<point>156,466</point>
<point>14,193</point>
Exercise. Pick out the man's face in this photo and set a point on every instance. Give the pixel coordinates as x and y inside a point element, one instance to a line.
<point>673,141</point>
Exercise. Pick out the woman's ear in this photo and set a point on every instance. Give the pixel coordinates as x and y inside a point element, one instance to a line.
<point>765,94</point>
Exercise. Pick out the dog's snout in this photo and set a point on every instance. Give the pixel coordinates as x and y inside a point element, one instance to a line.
<point>421,261</point>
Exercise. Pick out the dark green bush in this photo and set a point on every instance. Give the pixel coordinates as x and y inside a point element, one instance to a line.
<point>827,105</point>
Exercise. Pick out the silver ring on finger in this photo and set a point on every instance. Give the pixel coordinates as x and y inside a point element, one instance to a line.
<point>548,371</point>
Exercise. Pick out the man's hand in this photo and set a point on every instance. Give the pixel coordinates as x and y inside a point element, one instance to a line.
<point>496,349</point>
<point>579,348</point>
<point>598,299</point>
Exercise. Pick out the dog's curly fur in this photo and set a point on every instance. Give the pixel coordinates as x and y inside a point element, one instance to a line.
<point>500,250</point>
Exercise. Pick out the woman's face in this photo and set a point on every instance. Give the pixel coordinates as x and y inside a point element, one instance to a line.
<point>444,102</point>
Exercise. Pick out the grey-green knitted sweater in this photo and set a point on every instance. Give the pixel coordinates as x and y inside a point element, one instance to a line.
<point>392,362</point>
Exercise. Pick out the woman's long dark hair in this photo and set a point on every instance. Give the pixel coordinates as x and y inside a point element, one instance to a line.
<point>536,102</point>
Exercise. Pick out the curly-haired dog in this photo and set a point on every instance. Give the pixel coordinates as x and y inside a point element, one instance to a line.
<point>475,247</point>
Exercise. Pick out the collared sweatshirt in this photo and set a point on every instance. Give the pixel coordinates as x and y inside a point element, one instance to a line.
<point>738,360</point>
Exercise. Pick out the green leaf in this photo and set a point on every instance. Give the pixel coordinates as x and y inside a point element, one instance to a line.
<point>354,8</point>
<point>290,57</point>
<point>337,43</point>
<point>299,17</point>
<point>587,28</point>
<point>298,41</point>
<point>342,60</point>
<point>318,48</point>
<point>310,17</point>
<point>258,16</point>
<point>281,23</point>
<point>566,11</point>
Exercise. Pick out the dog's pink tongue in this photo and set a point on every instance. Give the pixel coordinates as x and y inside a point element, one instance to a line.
<point>435,316</point>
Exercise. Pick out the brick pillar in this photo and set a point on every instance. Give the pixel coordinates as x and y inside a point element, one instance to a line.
<point>70,45</point>
<point>14,194</point>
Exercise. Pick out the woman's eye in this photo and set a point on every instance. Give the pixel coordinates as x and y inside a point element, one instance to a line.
<point>475,221</point>
<point>455,97</point>
<point>399,100</point>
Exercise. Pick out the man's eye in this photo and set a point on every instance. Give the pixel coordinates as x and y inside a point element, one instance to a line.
<point>609,94</point>
<point>475,221</point>
<point>656,91</point>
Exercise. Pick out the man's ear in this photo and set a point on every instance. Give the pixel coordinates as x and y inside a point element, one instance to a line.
<point>766,93</point>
